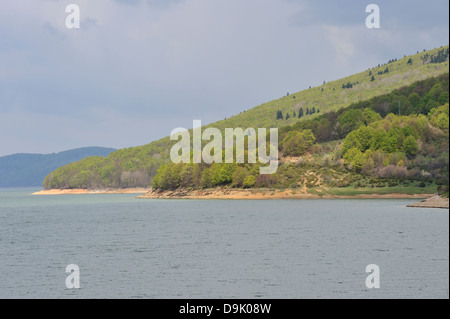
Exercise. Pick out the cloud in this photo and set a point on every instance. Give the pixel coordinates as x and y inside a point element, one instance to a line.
<point>129,2</point>
<point>405,14</point>
<point>164,63</point>
<point>160,4</point>
<point>327,12</point>
<point>163,3</point>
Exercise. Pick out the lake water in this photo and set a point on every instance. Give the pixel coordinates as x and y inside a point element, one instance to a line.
<point>130,248</point>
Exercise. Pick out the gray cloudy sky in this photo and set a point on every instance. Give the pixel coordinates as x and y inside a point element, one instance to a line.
<point>136,69</point>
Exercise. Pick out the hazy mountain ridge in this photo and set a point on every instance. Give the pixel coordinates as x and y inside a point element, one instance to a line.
<point>21,170</point>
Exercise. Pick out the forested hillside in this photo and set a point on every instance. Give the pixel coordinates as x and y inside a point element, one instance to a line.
<point>412,86</point>
<point>368,143</point>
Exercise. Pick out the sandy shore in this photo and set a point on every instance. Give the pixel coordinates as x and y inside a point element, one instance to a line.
<point>260,194</point>
<point>431,201</point>
<point>89,191</point>
<point>434,202</point>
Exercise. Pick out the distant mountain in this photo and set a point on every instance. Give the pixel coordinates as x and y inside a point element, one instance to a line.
<point>20,170</point>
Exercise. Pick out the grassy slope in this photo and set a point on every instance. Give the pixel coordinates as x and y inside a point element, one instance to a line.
<point>400,74</point>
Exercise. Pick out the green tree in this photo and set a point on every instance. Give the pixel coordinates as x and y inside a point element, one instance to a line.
<point>354,158</point>
<point>215,174</point>
<point>365,138</point>
<point>187,176</point>
<point>443,98</point>
<point>431,104</point>
<point>350,120</point>
<point>370,116</point>
<point>239,176</point>
<point>279,115</point>
<point>390,144</point>
<point>410,146</point>
<point>439,117</point>
<point>436,91</point>
<point>222,174</point>
<point>442,121</point>
<point>415,101</point>
<point>297,143</point>
<point>249,181</point>
<point>206,179</point>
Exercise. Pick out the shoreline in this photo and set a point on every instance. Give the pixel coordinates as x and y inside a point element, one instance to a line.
<point>428,200</point>
<point>266,194</point>
<point>91,191</point>
<point>433,202</point>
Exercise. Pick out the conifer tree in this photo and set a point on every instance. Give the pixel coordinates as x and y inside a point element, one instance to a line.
<point>279,115</point>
